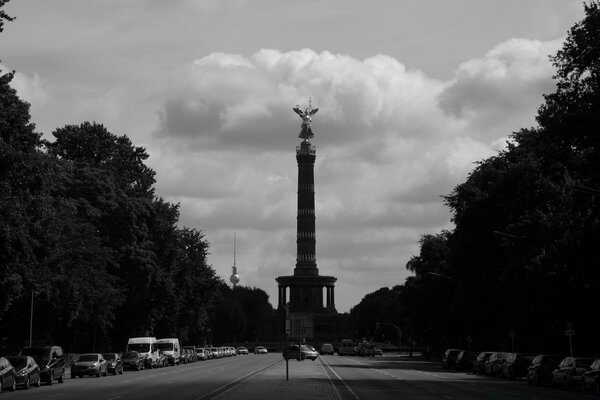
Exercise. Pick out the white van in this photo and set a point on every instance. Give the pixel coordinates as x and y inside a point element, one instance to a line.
<point>146,346</point>
<point>171,348</point>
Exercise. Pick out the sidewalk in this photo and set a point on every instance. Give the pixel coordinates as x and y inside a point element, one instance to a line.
<point>307,380</point>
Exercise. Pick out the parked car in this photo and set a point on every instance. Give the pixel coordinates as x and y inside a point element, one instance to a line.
<point>133,360</point>
<point>114,363</point>
<point>51,361</point>
<point>27,371</point>
<point>242,350</point>
<point>591,378</point>
<point>260,350</point>
<point>540,370</point>
<point>326,348</point>
<point>162,360</point>
<point>8,375</point>
<point>92,364</point>
<point>366,350</point>
<point>464,360</point>
<point>493,366</point>
<point>516,365</point>
<point>201,354</point>
<point>449,358</point>
<point>479,363</point>
<point>191,350</point>
<point>570,371</point>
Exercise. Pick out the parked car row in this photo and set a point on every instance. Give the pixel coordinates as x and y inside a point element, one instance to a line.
<point>537,369</point>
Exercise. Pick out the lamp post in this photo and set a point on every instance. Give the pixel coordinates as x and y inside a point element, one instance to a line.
<point>31,322</point>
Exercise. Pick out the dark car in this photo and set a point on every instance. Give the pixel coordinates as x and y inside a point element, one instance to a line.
<point>8,375</point>
<point>465,359</point>
<point>479,363</point>
<point>92,364</point>
<point>132,360</point>
<point>540,370</point>
<point>449,358</point>
<point>493,366</point>
<point>591,378</point>
<point>51,361</point>
<point>570,371</point>
<point>516,365</point>
<point>114,364</point>
<point>27,371</point>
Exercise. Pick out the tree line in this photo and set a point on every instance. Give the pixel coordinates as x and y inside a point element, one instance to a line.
<point>520,269</point>
<point>87,243</point>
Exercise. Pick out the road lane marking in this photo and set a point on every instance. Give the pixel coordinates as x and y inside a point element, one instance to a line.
<point>228,386</point>
<point>337,392</point>
<point>341,380</point>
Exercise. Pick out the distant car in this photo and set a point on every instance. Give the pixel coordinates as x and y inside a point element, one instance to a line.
<point>516,365</point>
<point>449,358</point>
<point>326,348</point>
<point>540,369</point>
<point>366,350</point>
<point>201,354</point>
<point>92,364</point>
<point>242,350</point>
<point>192,355</point>
<point>8,375</point>
<point>465,359</point>
<point>51,361</point>
<point>114,363</point>
<point>308,352</point>
<point>493,366</point>
<point>479,363</point>
<point>570,371</point>
<point>591,378</point>
<point>132,360</point>
<point>27,371</point>
<point>162,360</point>
<point>260,350</point>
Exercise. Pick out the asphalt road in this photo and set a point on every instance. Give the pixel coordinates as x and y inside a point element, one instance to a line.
<point>388,377</point>
<point>195,381</point>
<point>254,377</point>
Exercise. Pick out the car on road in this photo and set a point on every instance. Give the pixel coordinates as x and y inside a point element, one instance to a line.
<point>309,352</point>
<point>449,358</point>
<point>493,366</point>
<point>114,363</point>
<point>516,365</point>
<point>260,350</point>
<point>242,350</point>
<point>133,360</point>
<point>591,378</point>
<point>479,363</point>
<point>92,364</point>
<point>326,348</point>
<point>51,361</point>
<point>366,350</point>
<point>8,375</point>
<point>540,370</point>
<point>465,359</point>
<point>570,371</point>
<point>27,371</point>
<point>347,348</point>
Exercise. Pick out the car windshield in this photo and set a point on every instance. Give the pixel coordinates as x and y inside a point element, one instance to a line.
<point>139,347</point>
<point>165,346</point>
<point>36,352</point>
<point>18,362</point>
<point>110,356</point>
<point>583,362</point>
<point>131,354</point>
<point>88,357</point>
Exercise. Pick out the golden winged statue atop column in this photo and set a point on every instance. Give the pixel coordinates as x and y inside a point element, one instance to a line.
<point>306,132</point>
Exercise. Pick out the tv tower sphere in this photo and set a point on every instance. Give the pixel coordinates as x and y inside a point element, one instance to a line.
<point>234,278</point>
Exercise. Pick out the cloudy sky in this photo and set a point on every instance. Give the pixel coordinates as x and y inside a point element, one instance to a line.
<point>411,93</point>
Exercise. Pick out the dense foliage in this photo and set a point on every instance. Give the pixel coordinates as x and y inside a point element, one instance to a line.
<point>521,265</point>
<point>85,239</point>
